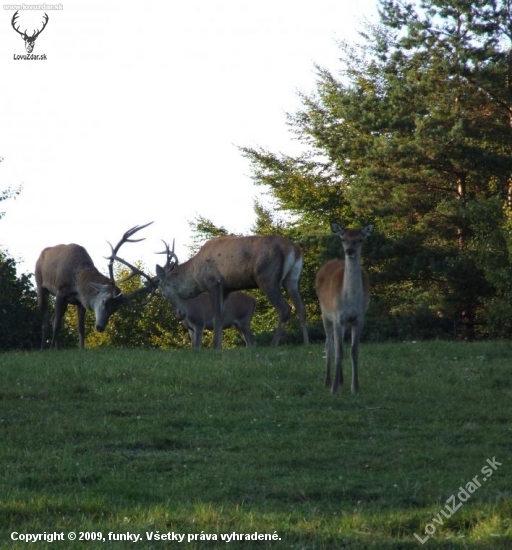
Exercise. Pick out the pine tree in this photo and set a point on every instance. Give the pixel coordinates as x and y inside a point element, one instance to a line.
<point>414,135</point>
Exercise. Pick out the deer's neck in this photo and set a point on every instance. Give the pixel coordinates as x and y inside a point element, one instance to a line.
<point>353,292</point>
<point>189,285</point>
<point>85,293</point>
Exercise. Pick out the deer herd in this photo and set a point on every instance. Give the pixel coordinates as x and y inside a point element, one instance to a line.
<point>204,291</point>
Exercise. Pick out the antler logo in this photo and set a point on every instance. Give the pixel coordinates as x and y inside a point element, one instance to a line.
<point>29,40</point>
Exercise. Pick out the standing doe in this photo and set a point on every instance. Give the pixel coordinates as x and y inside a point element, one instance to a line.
<point>344,292</point>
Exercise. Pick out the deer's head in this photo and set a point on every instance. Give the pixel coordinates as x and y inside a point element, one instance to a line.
<point>108,300</point>
<point>29,40</point>
<point>352,239</point>
<point>171,284</point>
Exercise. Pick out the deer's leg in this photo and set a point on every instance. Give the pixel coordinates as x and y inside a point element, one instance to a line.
<point>42,299</point>
<point>247,335</point>
<point>196,334</point>
<point>244,329</point>
<point>268,281</point>
<point>216,297</point>
<point>192,332</point>
<point>273,293</point>
<point>329,349</point>
<point>339,333</point>
<point>354,352</point>
<point>291,283</point>
<point>61,305</point>
<point>283,312</point>
<point>80,310</point>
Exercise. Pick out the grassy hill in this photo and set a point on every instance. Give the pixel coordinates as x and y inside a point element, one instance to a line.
<point>248,443</point>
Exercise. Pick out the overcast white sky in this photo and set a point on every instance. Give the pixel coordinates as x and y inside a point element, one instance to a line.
<point>137,112</point>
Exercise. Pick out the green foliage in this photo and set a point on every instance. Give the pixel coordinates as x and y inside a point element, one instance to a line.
<point>18,302</point>
<point>413,136</point>
<point>20,327</point>
<point>245,441</point>
<point>8,193</point>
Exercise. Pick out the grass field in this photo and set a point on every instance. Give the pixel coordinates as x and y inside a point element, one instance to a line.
<point>245,443</point>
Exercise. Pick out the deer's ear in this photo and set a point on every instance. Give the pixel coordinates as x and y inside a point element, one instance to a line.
<point>100,288</point>
<point>337,229</point>
<point>160,272</point>
<point>367,230</point>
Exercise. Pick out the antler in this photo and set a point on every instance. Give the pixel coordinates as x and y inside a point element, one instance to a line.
<point>172,259</point>
<point>13,20</point>
<point>36,34</point>
<point>149,285</point>
<point>24,34</point>
<point>125,239</point>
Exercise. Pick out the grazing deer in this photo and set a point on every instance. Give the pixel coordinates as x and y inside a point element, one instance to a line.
<point>68,272</point>
<point>344,293</point>
<point>238,311</point>
<point>225,264</point>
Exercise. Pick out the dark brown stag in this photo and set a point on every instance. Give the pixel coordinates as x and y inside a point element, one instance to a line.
<point>238,311</point>
<point>226,264</point>
<point>29,40</point>
<point>68,272</point>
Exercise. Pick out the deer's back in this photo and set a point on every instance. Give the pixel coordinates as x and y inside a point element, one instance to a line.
<point>239,260</point>
<point>60,268</point>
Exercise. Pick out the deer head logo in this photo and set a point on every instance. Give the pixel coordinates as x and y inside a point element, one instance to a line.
<point>29,40</point>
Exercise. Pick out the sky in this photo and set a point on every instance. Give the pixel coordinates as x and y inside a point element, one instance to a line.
<point>138,111</point>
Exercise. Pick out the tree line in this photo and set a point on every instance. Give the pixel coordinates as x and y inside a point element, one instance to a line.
<point>412,134</point>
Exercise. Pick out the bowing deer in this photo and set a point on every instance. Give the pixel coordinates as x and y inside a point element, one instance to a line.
<point>226,264</point>
<point>68,272</point>
<point>343,290</point>
<point>238,311</point>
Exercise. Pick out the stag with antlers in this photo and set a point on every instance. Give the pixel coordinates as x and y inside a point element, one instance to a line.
<point>68,272</point>
<point>225,264</point>
<point>29,40</point>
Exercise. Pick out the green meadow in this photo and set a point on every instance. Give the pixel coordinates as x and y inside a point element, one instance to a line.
<point>245,448</point>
